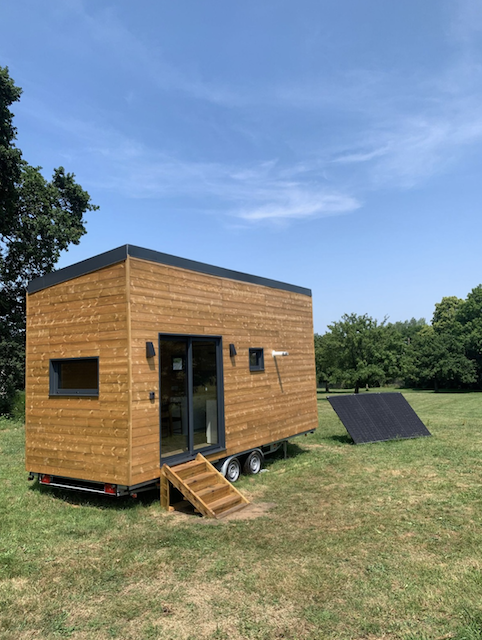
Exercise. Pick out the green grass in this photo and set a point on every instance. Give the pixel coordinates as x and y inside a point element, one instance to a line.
<point>369,541</point>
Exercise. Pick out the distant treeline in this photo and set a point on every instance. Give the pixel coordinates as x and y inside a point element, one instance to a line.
<point>447,354</point>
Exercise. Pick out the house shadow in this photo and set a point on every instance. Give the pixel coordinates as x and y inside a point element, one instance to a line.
<point>343,439</point>
<point>293,451</point>
<point>98,501</point>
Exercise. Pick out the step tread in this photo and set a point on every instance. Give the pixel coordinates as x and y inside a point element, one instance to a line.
<point>212,488</point>
<point>188,466</point>
<point>231,498</point>
<point>198,477</point>
<point>237,507</point>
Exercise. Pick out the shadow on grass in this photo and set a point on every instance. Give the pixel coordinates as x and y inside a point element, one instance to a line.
<point>80,498</point>
<point>344,439</point>
<point>146,498</point>
<point>293,451</point>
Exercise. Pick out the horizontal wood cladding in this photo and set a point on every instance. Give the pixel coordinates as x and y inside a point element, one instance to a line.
<point>260,407</point>
<point>110,314</point>
<point>79,437</point>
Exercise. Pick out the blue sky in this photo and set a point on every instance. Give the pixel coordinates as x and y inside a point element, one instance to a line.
<point>332,145</point>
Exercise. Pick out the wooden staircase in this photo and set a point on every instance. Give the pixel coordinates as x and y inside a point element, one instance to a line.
<point>203,486</point>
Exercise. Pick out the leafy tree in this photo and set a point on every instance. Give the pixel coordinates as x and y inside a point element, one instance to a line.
<point>326,369</point>
<point>469,321</point>
<point>447,316</point>
<point>437,359</point>
<point>357,351</point>
<point>408,328</point>
<point>39,219</point>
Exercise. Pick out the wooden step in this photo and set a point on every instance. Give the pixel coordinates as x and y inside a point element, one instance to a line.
<point>213,492</point>
<point>190,469</point>
<point>201,481</point>
<point>228,512</point>
<point>203,486</point>
<point>218,506</point>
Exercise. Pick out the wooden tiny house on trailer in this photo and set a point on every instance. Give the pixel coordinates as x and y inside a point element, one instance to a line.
<point>137,358</point>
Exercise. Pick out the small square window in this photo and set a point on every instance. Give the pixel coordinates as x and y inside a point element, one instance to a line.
<point>256,360</point>
<point>74,377</point>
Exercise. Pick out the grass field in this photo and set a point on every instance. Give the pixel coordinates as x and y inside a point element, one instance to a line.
<point>368,541</point>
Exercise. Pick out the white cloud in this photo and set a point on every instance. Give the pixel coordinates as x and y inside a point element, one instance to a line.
<point>361,156</point>
<point>296,203</point>
<point>401,130</point>
<point>263,192</point>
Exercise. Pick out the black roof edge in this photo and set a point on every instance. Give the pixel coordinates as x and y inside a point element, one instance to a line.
<point>120,254</point>
<point>78,269</point>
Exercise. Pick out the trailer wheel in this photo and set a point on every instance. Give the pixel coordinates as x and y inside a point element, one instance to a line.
<point>233,470</point>
<point>253,463</point>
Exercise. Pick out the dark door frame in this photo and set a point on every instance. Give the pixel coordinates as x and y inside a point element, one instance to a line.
<point>221,444</point>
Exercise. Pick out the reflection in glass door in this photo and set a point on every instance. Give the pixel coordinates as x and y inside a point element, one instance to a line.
<point>174,391</point>
<point>204,394</point>
<point>190,395</point>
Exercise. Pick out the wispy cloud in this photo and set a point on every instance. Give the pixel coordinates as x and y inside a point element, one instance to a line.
<point>296,202</point>
<point>103,29</point>
<point>361,156</point>
<point>402,130</point>
<point>255,194</point>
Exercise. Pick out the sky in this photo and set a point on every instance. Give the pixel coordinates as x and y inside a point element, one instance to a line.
<point>331,145</point>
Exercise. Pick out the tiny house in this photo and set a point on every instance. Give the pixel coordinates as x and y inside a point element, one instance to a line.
<point>136,359</point>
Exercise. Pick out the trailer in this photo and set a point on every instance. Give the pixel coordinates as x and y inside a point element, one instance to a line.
<point>139,361</point>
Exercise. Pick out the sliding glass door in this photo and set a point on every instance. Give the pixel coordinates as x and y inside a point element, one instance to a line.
<point>191,395</point>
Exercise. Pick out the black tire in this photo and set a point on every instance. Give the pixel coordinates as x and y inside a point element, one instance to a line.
<point>233,470</point>
<point>253,463</point>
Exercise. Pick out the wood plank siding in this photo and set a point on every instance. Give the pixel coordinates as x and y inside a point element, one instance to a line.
<point>260,407</point>
<point>86,437</point>
<point>111,313</point>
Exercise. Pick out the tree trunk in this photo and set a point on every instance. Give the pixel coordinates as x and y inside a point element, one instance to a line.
<point>435,385</point>
<point>327,387</point>
<point>357,388</point>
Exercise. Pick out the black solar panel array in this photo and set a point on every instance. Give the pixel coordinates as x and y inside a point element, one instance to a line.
<point>378,416</point>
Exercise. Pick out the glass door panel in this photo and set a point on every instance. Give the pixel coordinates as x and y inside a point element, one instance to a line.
<point>174,397</point>
<point>204,393</point>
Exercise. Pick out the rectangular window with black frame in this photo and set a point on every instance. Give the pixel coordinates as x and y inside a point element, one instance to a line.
<point>74,377</point>
<point>256,359</point>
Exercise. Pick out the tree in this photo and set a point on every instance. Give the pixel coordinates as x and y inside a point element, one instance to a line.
<point>357,351</point>
<point>326,370</point>
<point>446,317</point>
<point>408,328</point>
<point>469,319</point>
<point>437,359</point>
<point>39,219</point>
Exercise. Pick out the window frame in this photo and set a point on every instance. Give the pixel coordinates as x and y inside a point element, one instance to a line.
<point>54,378</point>
<point>259,351</point>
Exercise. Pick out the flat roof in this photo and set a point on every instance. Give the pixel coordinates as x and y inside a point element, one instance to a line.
<point>121,253</point>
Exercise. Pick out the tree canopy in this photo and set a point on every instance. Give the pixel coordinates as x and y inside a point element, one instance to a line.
<point>39,218</point>
<point>357,351</point>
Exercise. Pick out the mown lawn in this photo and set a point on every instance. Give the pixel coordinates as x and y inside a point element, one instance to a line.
<point>368,541</point>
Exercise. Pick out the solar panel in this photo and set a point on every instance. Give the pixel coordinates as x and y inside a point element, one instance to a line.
<point>377,416</point>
